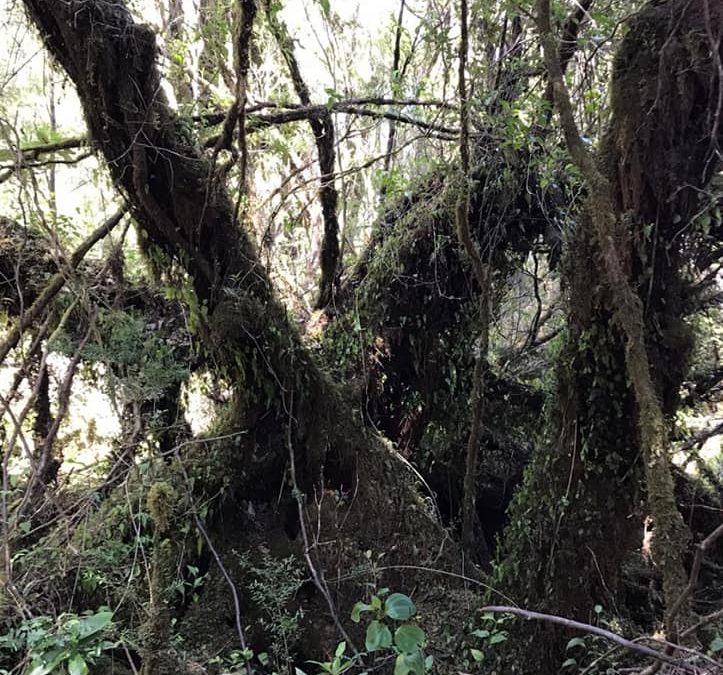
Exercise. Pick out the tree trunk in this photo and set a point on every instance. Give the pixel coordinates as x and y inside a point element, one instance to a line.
<point>287,408</point>
<point>626,308</point>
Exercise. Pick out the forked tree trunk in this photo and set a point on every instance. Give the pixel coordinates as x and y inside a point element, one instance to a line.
<point>288,408</point>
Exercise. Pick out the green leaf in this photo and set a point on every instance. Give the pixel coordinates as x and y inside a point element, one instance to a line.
<point>498,637</point>
<point>340,649</point>
<point>399,607</point>
<point>409,638</point>
<point>90,625</point>
<point>357,610</point>
<point>477,655</point>
<point>39,668</point>
<point>575,642</point>
<point>47,662</point>
<point>716,645</point>
<point>409,663</point>
<point>378,636</point>
<point>325,7</point>
<point>481,633</point>
<point>77,665</point>
<point>569,663</point>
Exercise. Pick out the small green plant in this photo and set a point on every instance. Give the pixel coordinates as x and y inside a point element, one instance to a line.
<point>273,586</point>
<point>338,665</point>
<point>63,647</point>
<point>191,584</point>
<point>407,641</point>
<point>240,662</point>
<point>490,634</point>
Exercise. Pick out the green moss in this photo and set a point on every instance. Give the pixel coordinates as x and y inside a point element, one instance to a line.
<point>161,501</point>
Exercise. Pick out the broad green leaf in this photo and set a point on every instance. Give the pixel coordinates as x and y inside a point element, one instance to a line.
<point>399,607</point>
<point>77,665</point>
<point>477,655</point>
<point>48,662</point>
<point>340,649</point>
<point>409,638</point>
<point>481,633</point>
<point>716,645</point>
<point>498,637</point>
<point>575,642</point>
<point>378,636</point>
<point>39,668</point>
<point>90,625</point>
<point>569,663</point>
<point>409,663</point>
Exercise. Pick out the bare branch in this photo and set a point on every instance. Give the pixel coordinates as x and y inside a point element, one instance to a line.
<point>57,283</point>
<point>322,126</point>
<point>593,630</point>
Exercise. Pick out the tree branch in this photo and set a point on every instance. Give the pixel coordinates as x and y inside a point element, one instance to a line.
<point>593,630</point>
<point>57,283</point>
<point>471,535</point>
<point>322,127</point>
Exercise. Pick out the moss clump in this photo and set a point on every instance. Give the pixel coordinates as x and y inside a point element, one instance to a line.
<point>161,501</point>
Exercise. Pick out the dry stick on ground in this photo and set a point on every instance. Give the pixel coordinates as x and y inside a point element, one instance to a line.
<point>323,130</point>
<point>670,536</point>
<point>482,272</point>
<point>594,630</point>
<point>56,284</point>
<point>704,621</point>
<point>699,439</point>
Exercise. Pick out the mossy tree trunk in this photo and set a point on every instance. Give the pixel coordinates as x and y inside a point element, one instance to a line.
<point>627,344</point>
<point>285,403</point>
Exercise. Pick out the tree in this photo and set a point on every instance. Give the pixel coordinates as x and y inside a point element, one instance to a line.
<point>292,465</point>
